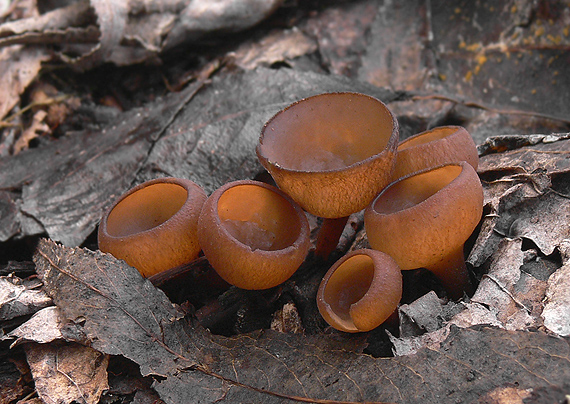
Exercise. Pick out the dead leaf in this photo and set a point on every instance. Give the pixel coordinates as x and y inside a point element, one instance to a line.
<point>280,46</point>
<point>556,313</point>
<point>520,198</point>
<point>132,32</point>
<point>37,128</point>
<point>66,185</point>
<point>46,325</point>
<point>18,67</point>
<point>123,314</point>
<point>287,319</point>
<point>343,35</point>
<point>66,373</point>
<point>505,395</point>
<point>111,21</point>
<point>20,298</point>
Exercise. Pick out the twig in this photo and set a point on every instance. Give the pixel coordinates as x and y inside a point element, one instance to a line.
<point>484,107</point>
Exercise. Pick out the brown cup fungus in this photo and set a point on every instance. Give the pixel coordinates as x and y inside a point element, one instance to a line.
<point>435,147</point>
<point>253,234</point>
<point>360,291</point>
<point>153,226</point>
<point>423,221</point>
<point>331,153</point>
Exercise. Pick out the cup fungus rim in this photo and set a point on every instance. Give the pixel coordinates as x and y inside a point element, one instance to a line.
<point>304,231</point>
<point>456,128</point>
<point>391,144</point>
<point>419,205</point>
<point>184,183</point>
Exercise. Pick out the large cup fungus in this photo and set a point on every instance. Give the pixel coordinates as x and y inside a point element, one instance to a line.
<point>423,221</point>
<point>331,153</point>
<point>253,234</point>
<point>153,226</point>
<point>360,291</point>
<point>435,147</point>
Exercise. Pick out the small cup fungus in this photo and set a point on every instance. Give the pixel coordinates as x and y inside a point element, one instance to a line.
<point>253,234</point>
<point>360,291</point>
<point>153,226</point>
<point>435,147</point>
<point>423,221</point>
<point>331,153</point>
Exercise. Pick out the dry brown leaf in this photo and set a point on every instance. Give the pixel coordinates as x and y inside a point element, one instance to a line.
<point>45,326</point>
<point>505,395</point>
<point>132,32</point>
<point>276,47</point>
<point>556,313</point>
<point>18,67</point>
<point>20,298</point>
<point>65,373</point>
<point>501,292</point>
<point>37,128</point>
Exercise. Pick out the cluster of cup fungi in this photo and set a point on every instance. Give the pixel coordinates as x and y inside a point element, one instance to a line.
<point>330,155</point>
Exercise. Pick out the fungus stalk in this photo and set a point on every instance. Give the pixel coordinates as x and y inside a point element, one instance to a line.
<point>453,274</point>
<point>328,236</point>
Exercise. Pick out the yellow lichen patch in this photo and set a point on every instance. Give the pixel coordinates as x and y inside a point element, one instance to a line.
<point>442,77</point>
<point>533,91</point>
<point>555,39</point>
<point>457,10</point>
<point>469,76</point>
<point>566,31</point>
<point>513,9</point>
<point>481,60</point>
<point>539,32</point>
<point>474,47</point>
<point>551,60</point>
<point>462,45</point>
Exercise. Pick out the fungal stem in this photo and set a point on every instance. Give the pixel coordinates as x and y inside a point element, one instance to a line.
<point>453,274</point>
<point>328,236</point>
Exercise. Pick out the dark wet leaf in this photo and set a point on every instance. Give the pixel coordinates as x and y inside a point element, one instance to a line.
<point>123,314</point>
<point>65,185</point>
<point>213,139</point>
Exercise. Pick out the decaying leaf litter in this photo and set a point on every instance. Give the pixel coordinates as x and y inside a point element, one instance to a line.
<point>500,70</point>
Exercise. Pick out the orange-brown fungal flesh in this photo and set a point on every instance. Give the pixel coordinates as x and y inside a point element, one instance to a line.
<point>328,236</point>
<point>253,234</point>
<point>423,221</point>
<point>153,226</point>
<point>360,291</point>
<point>332,153</point>
<point>435,147</point>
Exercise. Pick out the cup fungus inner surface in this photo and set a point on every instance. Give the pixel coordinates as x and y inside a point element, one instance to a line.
<point>431,136</point>
<point>413,190</point>
<point>347,285</point>
<point>145,209</point>
<point>258,217</point>
<point>327,132</point>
